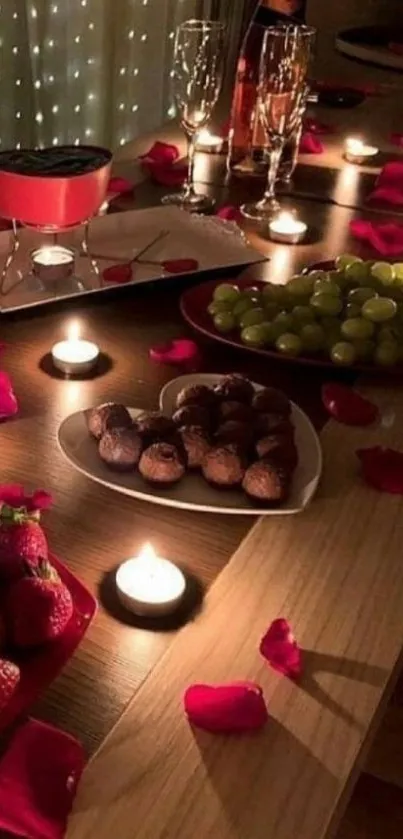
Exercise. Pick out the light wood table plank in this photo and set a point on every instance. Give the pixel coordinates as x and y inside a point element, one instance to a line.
<point>336,573</point>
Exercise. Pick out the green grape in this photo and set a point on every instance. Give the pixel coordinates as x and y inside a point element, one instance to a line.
<point>327,286</point>
<point>338,277</point>
<point>285,321</point>
<point>313,337</point>
<point>217,306</point>
<point>352,310</point>
<point>224,321</point>
<point>326,304</point>
<point>252,336</point>
<point>331,325</point>
<point>361,295</point>
<point>267,332</point>
<point>252,317</point>
<point>318,275</point>
<point>303,314</point>
<point>289,344</point>
<point>384,272</point>
<point>357,272</point>
<point>379,309</point>
<point>277,293</point>
<point>272,309</point>
<point>343,353</point>
<point>225,291</point>
<point>244,304</point>
<point>387,353</point>
<point>253,293</point>
<point>299,286</point>
<point>387,334</point>
<point>357,328</point>
<point>398,268</point>
<point>344,260</point>
<point>365,349</point>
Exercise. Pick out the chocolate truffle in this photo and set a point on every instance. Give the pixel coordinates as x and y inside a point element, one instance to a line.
<point>266,424</point>
<point>196,395</point>
<point>235,388</point>
<point>120,448</point>
<point>161,464</point>
<point>192,415</point>
<point>223,466</point>
<point>196,444</point>
<point>105,417</point>
<point>231,410</point>
<point>281,447</point>
<point>233,431</point>
<point>153,426</point>
<point>269,400</point>
<point>266,481</point>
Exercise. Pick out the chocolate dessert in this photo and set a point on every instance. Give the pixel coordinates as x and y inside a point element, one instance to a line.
<point>266,481</point>
<point>196,395</point>
<point>196,444</point>
<point>269,400</point>
<point>235,388</point>
<point>105,417</point>
<point>120,448</point>
<point>223,466</point>
<point>161,464</point>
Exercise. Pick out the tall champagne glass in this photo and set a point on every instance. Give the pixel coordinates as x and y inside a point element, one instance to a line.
<point>197,77</point>
<point>284,65</point>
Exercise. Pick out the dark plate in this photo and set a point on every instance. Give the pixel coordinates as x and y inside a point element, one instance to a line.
<point>193,306</point>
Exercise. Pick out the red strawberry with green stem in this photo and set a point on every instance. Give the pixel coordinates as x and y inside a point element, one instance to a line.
<point>9,679</point>
<point>38,607</point>
<point>22,541</point>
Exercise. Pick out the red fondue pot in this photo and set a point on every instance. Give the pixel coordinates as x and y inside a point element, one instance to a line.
<point>45,188</point>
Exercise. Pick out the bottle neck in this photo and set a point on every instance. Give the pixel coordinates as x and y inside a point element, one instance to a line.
<point>270,13</point>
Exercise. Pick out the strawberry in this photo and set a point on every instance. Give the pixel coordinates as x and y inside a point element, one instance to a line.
<point>22,541</point>
<point>38,607</point>
<point>9,679</point>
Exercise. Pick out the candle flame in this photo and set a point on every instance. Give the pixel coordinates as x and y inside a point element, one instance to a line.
<point>73,332</point>
<point>147,553</point>
<point>355,145</point>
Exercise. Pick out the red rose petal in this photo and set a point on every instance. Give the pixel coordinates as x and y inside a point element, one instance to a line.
<point>313,126</point>
<point>118,274</point>
<point>382,468</point>
<point>119,186</point>
<point>179,351</point>
<point>14,495</point>
<point>347,406</point>
<point>396,139</point>
<point>309,144</point>
<point>279,647</point>
<point>8,400</point>
<point>226,709</point>
<point>229,213</point>
<point>180,266</point>
<point>160,153</point>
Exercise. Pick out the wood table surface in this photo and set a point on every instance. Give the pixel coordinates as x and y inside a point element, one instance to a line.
<point>91,528</point>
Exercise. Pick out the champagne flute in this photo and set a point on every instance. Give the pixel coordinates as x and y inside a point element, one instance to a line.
<point>197,77</point>
<point>282,89</point>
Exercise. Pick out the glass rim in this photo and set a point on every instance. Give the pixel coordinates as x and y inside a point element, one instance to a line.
<point>297,29</point>
<point>196,25</point>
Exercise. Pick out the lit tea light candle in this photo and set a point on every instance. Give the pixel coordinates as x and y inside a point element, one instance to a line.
<point>208,142</point>
<point>287,229</point>
<point>356,151</point>
<point>52,262</point>
<point>149,585</point>
<point>75,356</point>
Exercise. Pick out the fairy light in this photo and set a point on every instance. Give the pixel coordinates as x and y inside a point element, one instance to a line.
<point>55,109</point>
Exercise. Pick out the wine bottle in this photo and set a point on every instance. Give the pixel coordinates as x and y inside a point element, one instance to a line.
<point>246,140</point>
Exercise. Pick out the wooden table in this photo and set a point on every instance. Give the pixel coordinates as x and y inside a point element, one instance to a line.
<point>91,528</point>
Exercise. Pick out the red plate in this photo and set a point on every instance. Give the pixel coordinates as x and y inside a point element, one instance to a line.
<point>40,667</point>
<point>193,305</point>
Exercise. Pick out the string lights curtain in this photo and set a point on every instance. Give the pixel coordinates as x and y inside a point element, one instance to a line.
<point>93,71</point>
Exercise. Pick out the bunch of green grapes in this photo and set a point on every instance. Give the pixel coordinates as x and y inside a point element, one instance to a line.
<point>352,314</point>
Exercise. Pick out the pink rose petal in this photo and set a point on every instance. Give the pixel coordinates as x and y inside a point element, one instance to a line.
<point>180,266</point>
<point>119,186</point>
<point>160,154</point>
<point>313,126</point>
<point>179,351</point>
<point>118,274</point>
<point>279,647</point>
<point>385,238</point>
<point>389,184</point>
<point>226,709</point>
<point>310,144</point>
<point>229,213</point>
<point>14,495</point>
<point>8,400</point>
<point>382,469</point>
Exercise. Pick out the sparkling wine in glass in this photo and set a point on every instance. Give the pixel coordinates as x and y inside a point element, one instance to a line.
<point>197,77</point>
<point>282,90</point>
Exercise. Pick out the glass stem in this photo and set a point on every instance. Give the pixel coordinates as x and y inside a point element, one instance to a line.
<point>189,188</point>
<point>275,153</point>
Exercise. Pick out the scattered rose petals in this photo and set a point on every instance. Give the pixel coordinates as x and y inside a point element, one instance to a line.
<point>348,406</point>
<point>396,139</point>
<point>309,144</point>
<point>386,239</point>
<point>382,468</point>
<point>119,186</point>
<point>179,351</point>
<point>226,709</point>
<point>389,184</point>
<point>229,213</point>
<point>14,495</point>
<point>179,266</point>
<point>118,274</point>
<point>8,399</point>
<point>279,647</point>
<point>160,154</point>
<point>169,175</point>
<point>313,126</point>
